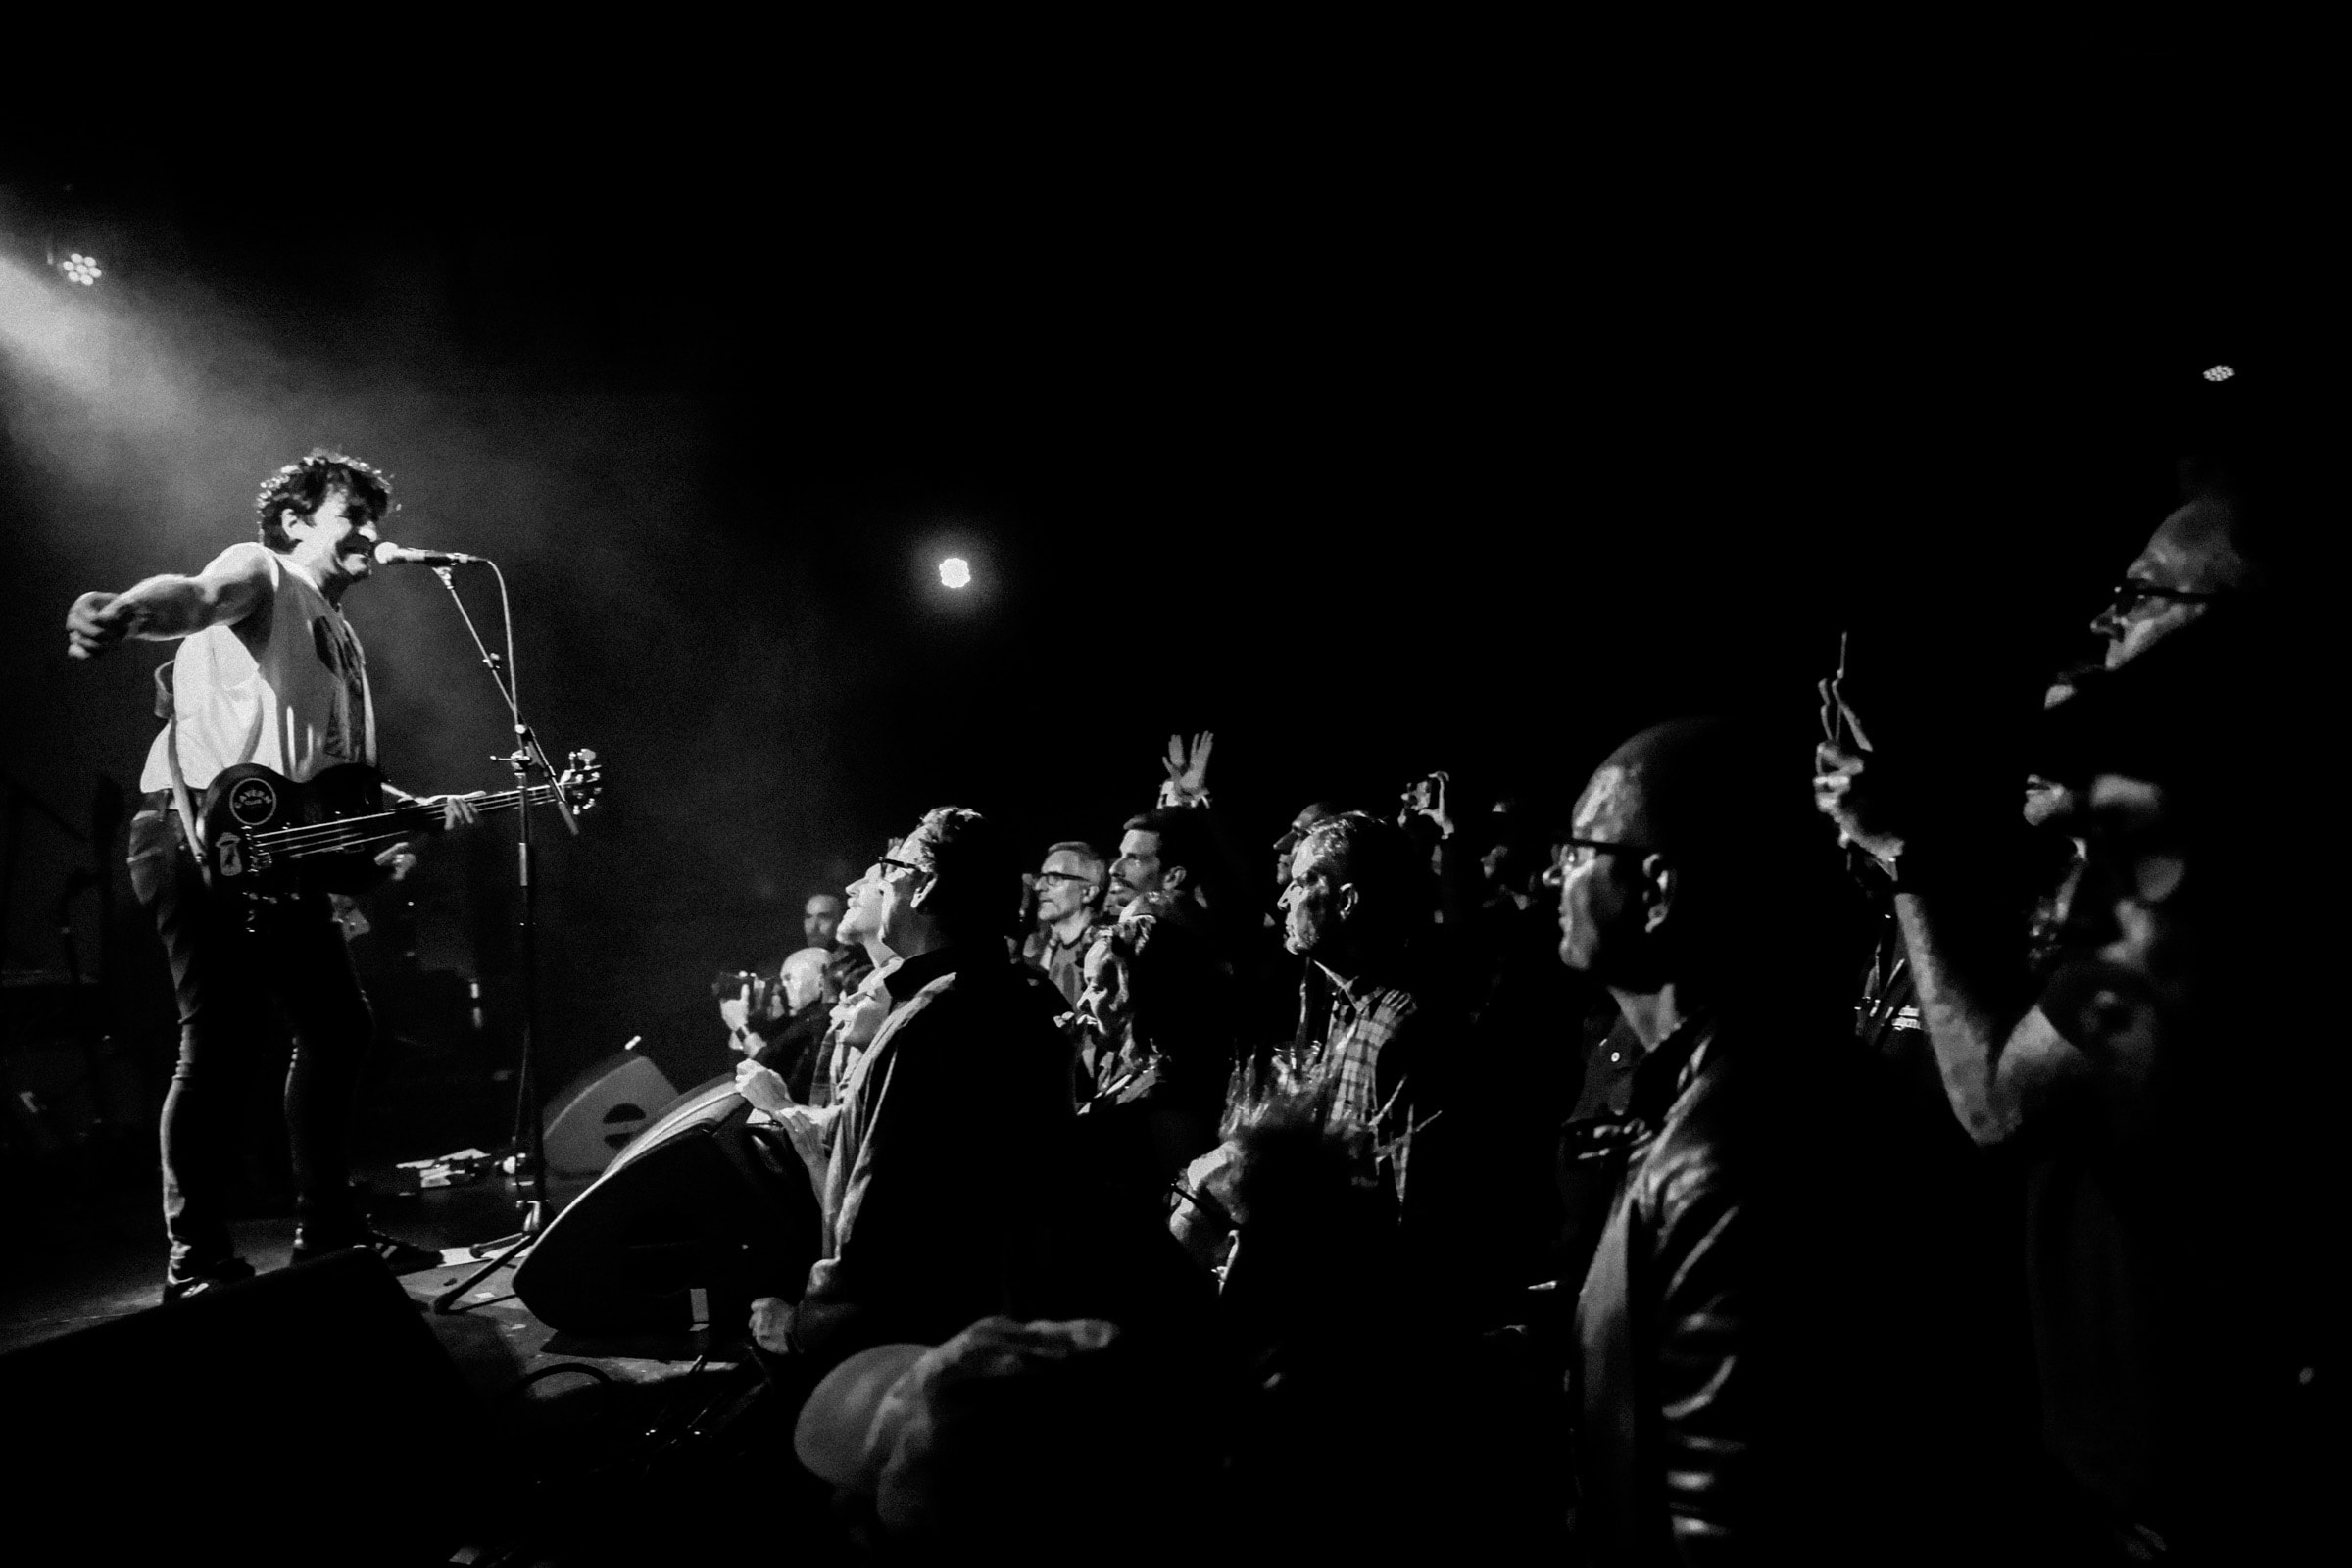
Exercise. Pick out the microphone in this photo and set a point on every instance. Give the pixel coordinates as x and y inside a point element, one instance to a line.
<point>388,554</point>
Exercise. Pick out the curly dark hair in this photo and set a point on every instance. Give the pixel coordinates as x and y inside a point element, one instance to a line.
<point>306,483</point>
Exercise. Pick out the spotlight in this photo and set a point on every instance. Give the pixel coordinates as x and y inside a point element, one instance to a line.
<point>2219,372</point>
<point>955,572</point>
<point>81,268</point>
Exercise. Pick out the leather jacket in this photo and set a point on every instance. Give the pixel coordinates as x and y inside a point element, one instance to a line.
<point>1683,1323</point>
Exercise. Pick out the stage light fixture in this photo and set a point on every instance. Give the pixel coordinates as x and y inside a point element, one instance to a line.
<point>2219,372</point>
<point>81,268</point>
<point>955,573</point>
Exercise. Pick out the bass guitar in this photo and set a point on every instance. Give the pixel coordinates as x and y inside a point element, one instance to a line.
<point>269,840</point>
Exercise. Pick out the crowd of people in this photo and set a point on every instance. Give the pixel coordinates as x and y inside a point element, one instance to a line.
<point>1888,1176</point>
<point>1712,1172</point>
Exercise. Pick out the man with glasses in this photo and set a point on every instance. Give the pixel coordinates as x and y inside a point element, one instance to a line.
<point>2193,560</point>
<point>2000,1059</point>
<point>1069,902</point>
<point>2014,1078</point>
<point>952,1122</point>
<point>1720,1340</point>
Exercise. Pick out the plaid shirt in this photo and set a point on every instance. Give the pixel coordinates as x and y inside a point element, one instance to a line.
<point>1365,1019</point>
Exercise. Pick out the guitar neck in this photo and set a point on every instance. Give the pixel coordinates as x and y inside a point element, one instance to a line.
<point>346,834</point>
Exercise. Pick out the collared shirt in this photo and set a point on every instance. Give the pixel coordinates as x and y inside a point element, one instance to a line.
<point>1063,962</point>
<point>1365,1019</point>
<point>836,1075</point>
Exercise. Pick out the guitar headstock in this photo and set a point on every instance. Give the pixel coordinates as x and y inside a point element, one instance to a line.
<point>583,781</point>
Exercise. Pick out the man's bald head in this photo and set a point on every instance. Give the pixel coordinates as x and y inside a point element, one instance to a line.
<point>1693,848</point>
<point>1691,788</point>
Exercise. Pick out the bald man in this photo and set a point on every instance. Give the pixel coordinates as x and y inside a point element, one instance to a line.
<point>1716,1354</point>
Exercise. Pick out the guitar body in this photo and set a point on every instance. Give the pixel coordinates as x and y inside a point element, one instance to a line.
<point>248,805</point>
<point>269,840</point>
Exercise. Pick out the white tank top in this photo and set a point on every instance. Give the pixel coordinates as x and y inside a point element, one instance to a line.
<point>285,687</point>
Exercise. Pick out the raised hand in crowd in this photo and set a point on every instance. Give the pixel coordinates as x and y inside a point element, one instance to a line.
<point>1856,787</point>
<point>1188,771</point>
<point>1425,799</point>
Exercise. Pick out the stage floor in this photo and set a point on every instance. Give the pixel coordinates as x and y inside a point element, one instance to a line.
<point>686,1407</point>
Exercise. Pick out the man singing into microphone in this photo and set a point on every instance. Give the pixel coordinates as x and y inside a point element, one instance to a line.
<point>269,672</point>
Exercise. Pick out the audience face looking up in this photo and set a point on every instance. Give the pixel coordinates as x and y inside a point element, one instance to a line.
<point>861,920</point>
<point>950,882</point>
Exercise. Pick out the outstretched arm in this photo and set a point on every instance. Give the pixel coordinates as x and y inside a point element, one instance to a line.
<point>165,608</point>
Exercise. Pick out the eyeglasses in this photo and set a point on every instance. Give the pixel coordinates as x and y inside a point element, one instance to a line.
<point>888,866</point>
<point>1558,873</point>
<point>2130,595</point>
<point>1063,876</point>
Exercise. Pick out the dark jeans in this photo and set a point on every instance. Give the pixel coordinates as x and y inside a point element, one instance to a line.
<point>236,987</point>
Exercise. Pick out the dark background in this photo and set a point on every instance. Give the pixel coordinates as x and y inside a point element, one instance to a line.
<point>1470,434</point>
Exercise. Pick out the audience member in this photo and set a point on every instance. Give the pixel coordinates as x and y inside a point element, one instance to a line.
<point>1781,1307</point>
<point>1285,847</point>
<point>1289,999</point>
<point>1164,849</point>
<point>2018,1079</point>
<point>821,919</point>
<point>1387,1057</point>
<point>1158,1018</point>
<point>968,1076</point>
<point>1723,1340</point>
<point>1070,889</point>
<point>2180,1317</point>
<point>786,1037</point>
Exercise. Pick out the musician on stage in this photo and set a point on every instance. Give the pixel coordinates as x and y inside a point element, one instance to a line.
<point>269,673</point>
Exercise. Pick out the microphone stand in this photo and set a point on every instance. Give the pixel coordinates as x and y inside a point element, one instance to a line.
<point>529,1140</point>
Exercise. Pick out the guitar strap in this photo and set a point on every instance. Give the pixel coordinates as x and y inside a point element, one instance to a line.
<point>168,710</point>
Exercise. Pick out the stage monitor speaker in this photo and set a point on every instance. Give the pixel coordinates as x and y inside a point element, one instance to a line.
<point>698,1200</point>
<point>601,1110</point>
<point>307,1415</point>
